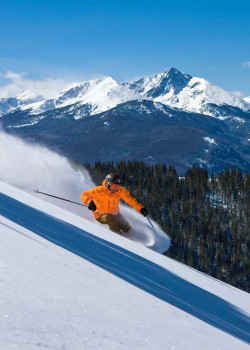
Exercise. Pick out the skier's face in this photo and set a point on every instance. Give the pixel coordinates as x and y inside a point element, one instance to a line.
<point>113,188</point>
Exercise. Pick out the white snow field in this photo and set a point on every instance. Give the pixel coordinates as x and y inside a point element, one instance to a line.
<point>68,283</point>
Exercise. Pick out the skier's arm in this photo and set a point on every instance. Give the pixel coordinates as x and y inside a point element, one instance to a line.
<point>126,196</point>
<point>88,196</point>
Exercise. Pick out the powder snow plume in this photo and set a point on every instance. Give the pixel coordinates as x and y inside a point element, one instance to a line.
<point>30,167</point>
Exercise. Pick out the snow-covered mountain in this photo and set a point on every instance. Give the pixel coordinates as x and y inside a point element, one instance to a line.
<point>96,95</point>
<point>185,92</point>
<point>67,283</point>
<point>169,114</point>
<point>172,88</point>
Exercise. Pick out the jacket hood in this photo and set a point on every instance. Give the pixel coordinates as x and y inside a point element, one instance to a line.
<point>104,186</point>
<point>104,183</point>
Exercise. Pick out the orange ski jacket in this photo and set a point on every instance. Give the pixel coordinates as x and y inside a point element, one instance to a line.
<point>107,202</point>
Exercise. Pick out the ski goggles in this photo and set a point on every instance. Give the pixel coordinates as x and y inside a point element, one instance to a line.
<point>114,185</point>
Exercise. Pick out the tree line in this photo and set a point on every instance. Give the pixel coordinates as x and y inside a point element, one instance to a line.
<point>207,218</point>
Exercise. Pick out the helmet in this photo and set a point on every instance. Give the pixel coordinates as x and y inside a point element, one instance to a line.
<point>112,179</point>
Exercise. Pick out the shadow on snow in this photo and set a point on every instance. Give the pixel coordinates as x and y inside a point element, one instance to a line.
<point>132,268</point>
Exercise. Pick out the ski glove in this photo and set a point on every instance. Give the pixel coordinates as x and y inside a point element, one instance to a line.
<point>92,206</point>
<point>144,211</point>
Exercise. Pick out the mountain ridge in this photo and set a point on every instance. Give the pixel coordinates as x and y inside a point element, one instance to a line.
<point>173,88</point>
<point>185,92</point>
<point>128,114</point>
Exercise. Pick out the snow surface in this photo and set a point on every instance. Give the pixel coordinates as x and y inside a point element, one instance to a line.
<point>209,140</point>
<point>200,92</point>
<point>68,283</point>
<point>247,99</point>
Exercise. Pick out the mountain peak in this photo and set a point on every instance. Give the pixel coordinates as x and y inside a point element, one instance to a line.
<point>172,71</point>
<point>183,91</point>
<point>161,84</point>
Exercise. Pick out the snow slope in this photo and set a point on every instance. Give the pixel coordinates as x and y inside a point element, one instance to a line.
<point>69,284</point>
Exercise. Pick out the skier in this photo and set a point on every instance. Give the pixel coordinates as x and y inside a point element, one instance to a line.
<point>104,202</point>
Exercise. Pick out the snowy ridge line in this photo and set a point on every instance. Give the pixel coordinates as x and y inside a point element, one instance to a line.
<point>134,269</point>
<point>170,88</point>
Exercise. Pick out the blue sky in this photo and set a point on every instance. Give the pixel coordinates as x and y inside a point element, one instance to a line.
<point>77,39</point>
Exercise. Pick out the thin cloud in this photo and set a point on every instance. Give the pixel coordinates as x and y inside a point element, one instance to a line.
<point>246,64</point>
<point>16,83</point>
<point>238,94</point>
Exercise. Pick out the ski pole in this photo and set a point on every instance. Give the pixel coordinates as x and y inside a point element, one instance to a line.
<point>151,223</point>
<point>63,199</point>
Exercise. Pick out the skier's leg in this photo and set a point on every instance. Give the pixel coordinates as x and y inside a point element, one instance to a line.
<point>123,223</point>
<point>111,221</point>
